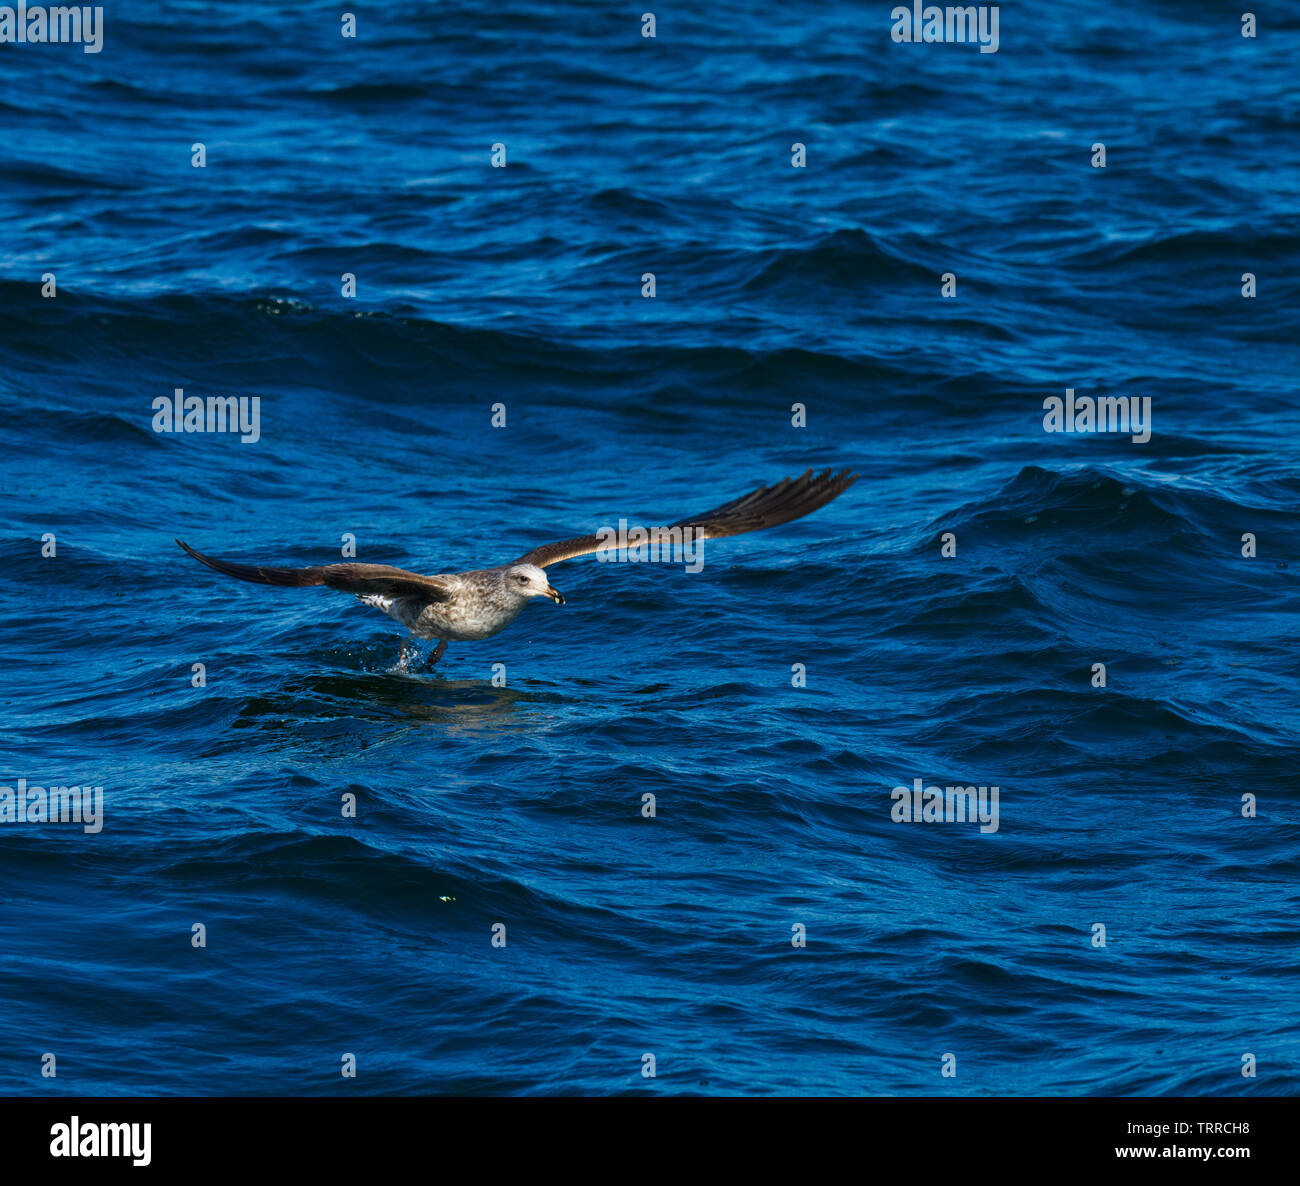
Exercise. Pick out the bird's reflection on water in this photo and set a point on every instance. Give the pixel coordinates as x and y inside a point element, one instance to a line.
<point>374,696</point>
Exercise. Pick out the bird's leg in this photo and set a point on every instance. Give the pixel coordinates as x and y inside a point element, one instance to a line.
<point>401,663</point>
<point>437,651</point>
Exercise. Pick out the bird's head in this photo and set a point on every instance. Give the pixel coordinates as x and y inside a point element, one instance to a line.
<point>527,580</point>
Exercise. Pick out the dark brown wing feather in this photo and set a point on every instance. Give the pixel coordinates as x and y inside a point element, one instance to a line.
<point>350,578</point>
<point>790,498</point>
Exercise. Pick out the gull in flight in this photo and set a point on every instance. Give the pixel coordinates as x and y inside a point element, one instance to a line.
<point>463,606</point>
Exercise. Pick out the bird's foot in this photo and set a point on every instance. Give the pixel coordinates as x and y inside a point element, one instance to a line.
<point>437,651</point>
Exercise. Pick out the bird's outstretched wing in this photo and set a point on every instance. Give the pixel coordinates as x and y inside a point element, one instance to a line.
<point>790,498</point>
<point>350,578</point>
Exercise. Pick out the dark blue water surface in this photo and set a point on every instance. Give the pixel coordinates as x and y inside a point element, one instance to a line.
<point>479,804</point>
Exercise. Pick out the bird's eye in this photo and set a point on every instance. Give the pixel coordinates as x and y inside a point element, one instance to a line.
<point>519,576</point>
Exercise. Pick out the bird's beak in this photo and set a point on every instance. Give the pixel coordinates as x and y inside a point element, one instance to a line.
<point>555,595</point>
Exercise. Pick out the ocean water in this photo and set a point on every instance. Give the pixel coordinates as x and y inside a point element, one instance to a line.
<point>483,290</point>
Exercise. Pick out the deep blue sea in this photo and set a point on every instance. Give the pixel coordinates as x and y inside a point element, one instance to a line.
<point>499,179</point>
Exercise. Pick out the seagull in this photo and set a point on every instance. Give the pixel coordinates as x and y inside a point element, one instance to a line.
<point>466,606</point>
